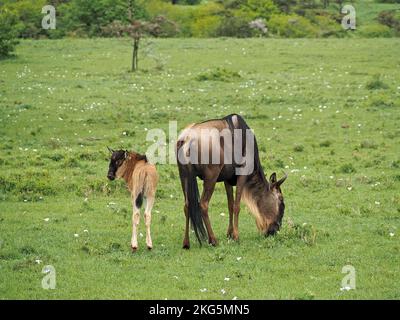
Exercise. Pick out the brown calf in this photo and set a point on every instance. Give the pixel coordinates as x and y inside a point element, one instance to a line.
<point>141,178</point>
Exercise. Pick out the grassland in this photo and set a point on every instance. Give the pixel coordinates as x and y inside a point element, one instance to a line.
<point>325,111</point>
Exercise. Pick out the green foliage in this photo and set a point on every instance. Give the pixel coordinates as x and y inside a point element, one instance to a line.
<point>195,18</point>
<point>235,27</point>
<point>390,19</point>
<point>375,31</point>
<point>376,83</point>
<point>388,1</point>
<point>219,74</point>
<point>291,26</point>
<point>8,33</point>
<point>81,17</point>
<point>29,14</point>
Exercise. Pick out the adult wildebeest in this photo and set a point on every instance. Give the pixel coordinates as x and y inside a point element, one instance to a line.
<point>209,150</point>
<point>141,178</point>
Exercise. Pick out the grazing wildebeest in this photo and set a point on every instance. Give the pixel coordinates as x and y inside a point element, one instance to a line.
<point>141,178</point>
<point>264,198</point>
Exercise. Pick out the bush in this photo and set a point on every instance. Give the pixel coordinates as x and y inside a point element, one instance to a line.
<point>183,16</point>
<point>8,32</point>
<point>29,15</point>
<point>291,26</point>
<point>390,19</point>
<point>206,20</point>
<point>206,26</point>
<point>83,17</point>
<point>220,74</point>
<point>375,31</point>
<point>235,27</point>
<point>347,168</point>
<point>376,83</point>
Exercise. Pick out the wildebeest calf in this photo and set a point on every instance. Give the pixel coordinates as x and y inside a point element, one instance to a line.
<point>141,178</point>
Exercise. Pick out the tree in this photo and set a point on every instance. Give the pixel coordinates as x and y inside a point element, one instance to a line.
<point>159,26</point>
<point>8,33</point>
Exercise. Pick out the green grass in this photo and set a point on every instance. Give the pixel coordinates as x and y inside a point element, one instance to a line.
<point>62,102</point>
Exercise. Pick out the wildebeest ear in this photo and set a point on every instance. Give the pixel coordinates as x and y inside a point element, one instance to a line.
<point>272,178</point>
<point>126,154</point>
<point>109,149</point>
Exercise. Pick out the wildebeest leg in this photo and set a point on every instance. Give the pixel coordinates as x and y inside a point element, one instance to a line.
<point>229,195</point>
<point>147,220</point>
<point>208,189</point>
<point>236,206</point>
<point>135,223</point>
<point>184,182</point>
<point>186,242</point>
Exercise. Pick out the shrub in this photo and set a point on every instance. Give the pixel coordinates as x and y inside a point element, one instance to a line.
<point>220,74</point>
<point>375,30</point>
<point>298,148</point>
<point>206,20</point>
<point>235,27</point>
<point>8,32</point>
<point>347,168</point>
<point>376,83</point>
<point>29,15</point>
<point>83,17</point>
<point>291,26</point>
<point>390,19</point>
<point>206,26</point>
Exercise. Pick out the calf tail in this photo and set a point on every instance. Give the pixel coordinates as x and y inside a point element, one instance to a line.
<point>139,200</point>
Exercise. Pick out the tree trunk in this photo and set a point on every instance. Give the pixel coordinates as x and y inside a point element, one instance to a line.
<point>135,54</point>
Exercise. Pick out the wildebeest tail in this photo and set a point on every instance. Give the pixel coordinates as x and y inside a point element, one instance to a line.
<point>191,191</point>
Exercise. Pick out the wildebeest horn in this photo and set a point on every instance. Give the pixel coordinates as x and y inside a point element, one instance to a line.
<point>282,180</point>
<point>109,149</point>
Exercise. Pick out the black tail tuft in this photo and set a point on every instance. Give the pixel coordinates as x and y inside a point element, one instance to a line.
<point>139,200</point>
<point>192,194</point>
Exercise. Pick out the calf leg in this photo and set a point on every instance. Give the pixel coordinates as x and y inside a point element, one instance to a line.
<point>135,223</point>
<point>147,220</point>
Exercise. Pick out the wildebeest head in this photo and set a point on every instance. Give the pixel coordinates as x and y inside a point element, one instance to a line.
<point>276,205</point>
<point>117,159</point>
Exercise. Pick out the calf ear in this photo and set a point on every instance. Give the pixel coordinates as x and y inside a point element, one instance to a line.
<point>142,157</point>
<point>272,178</point>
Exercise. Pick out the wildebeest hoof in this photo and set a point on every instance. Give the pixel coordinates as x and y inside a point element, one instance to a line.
<point>134,249</point>
<point>186,246</point>
<point>149,248</point>
<point>213,242</point>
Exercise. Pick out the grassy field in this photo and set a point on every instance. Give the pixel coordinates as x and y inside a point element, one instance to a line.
<point>326,112</point>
